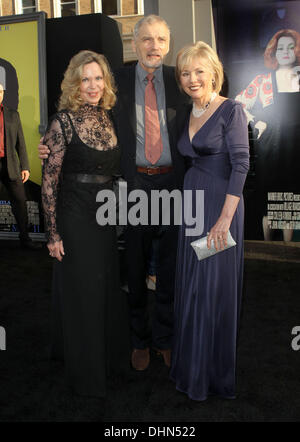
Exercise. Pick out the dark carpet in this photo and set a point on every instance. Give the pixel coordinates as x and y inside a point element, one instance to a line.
<point>32,388</point>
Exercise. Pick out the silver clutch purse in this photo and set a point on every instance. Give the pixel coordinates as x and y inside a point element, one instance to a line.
<point>202,252</point>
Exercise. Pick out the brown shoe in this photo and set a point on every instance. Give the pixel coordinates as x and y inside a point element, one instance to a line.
<point>140,358</point>
<point>166,354</point>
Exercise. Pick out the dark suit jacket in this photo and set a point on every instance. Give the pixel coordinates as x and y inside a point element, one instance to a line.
<point>124,115</point>
<point>15,148</point>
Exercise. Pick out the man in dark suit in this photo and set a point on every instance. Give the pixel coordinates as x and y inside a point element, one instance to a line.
<point>151,43</point>
<point>165,172</point>
<point>14,167</point>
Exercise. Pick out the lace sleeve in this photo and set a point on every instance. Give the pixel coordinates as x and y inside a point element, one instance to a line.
<point>56,140</point>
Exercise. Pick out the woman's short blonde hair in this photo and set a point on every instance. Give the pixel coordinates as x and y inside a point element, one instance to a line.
<point>208,57</point>
<point>70,97</point>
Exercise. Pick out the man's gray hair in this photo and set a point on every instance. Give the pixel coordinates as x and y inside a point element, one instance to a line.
<point>149,19</point>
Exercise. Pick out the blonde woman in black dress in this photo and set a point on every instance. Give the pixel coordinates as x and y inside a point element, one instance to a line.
<point>84,156</point>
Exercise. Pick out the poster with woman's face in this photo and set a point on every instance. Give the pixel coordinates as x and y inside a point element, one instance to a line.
<point>261,55</point>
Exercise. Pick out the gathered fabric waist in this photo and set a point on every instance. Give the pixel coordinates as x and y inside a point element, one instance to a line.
<point>215,165</point>
<point>87,178</point>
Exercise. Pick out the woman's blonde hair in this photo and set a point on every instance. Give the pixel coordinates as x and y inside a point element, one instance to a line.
<point>208,56</point>
<point>70,97</point>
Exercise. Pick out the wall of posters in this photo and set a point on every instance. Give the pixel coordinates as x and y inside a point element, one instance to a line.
<point>259,44</point>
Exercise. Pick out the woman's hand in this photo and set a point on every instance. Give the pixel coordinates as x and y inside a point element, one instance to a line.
<point>56,249</point>
<point>218,233</point>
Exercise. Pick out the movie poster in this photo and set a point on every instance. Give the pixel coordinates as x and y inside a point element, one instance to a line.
<point>23,75</point>
<point>259,44</point>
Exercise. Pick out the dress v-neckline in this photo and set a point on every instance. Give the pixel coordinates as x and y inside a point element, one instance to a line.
<point>191,139</point>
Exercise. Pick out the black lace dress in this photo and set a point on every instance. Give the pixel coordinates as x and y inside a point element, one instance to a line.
<point>90,318</point>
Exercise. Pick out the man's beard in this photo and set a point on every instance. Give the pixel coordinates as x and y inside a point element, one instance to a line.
<point>153,65</point>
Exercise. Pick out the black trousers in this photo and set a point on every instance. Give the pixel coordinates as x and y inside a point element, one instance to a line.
<point>138,241</point>
<point>17,198</point>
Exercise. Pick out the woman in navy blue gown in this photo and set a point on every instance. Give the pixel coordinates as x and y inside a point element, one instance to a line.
<point>208,292</point>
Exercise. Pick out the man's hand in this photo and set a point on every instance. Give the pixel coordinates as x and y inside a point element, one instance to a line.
<point>43,150</point>
<point>25,175</point>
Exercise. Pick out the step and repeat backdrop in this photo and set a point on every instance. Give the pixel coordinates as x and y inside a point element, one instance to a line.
<point>259,44</point>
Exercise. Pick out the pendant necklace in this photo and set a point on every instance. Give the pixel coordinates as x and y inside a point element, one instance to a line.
<point>198,112</point>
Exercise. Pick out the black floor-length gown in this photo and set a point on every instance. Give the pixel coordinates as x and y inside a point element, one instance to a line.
<point>208,292</point>
<point>92,308</point>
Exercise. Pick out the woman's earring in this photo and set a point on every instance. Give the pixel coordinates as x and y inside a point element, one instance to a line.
<point>213,83</point>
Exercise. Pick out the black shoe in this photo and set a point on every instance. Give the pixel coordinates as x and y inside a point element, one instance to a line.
<point>31,245</point>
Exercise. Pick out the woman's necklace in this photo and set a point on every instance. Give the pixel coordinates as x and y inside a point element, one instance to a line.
<point>198,112</point>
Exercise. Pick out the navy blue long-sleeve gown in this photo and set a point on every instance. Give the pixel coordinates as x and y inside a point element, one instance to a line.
<point>208,292</point>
